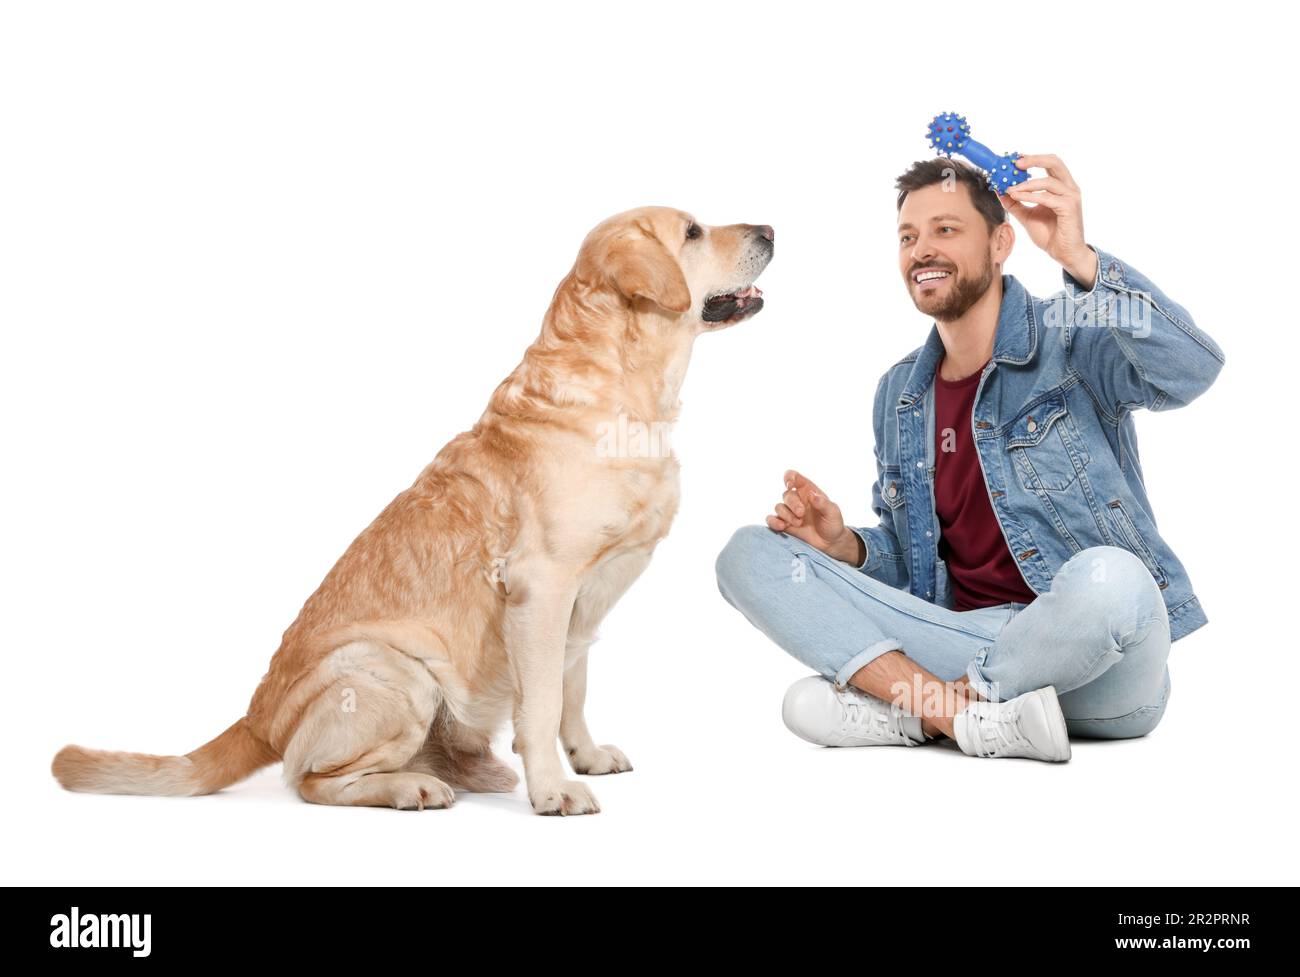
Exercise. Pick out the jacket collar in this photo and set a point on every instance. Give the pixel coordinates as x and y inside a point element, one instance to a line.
<point>1015,342</point>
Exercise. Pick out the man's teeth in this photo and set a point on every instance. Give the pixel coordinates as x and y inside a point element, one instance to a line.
<point>926,276</point>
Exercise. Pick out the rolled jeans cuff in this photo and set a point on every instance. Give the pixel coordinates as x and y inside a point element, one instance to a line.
<point>977,681</point>
<point>865,657</point>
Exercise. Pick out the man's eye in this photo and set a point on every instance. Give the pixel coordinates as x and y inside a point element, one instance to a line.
<point>693,232</point>
<point>947,228</point>
<point>904,238</point>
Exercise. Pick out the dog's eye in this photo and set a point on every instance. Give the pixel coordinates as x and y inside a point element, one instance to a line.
<point>693,232</point>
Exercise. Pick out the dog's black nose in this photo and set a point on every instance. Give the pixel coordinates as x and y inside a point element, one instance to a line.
<point>765,230</point>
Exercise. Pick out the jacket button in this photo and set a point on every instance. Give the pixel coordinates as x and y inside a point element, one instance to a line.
<point>893,490</point>
<point>1031,427</point>
<point>982,424</point>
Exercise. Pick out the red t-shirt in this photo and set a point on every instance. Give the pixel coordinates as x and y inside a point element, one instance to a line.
<point>981,570</point>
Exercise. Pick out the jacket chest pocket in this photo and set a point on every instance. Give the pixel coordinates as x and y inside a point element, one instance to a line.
<point>1045,447</point>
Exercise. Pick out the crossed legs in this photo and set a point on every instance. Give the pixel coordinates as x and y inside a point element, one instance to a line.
<point>1100,635</point>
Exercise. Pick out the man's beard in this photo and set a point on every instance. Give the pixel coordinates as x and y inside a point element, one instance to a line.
<point>959,296</point>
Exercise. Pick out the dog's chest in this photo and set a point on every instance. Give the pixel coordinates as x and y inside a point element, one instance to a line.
<point>638,507</point>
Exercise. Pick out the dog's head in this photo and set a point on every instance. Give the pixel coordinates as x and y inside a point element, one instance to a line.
<point>701,273</point>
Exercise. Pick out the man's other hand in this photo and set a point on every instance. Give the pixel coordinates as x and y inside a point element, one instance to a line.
<point>807,514</point>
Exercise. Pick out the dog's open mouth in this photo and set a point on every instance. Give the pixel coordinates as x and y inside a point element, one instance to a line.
<point>728,307</point>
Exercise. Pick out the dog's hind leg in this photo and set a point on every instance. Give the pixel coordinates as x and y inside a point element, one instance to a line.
<point>354,739</point>
<point>463,758</point>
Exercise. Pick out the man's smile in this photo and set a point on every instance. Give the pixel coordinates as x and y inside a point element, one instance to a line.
<point>927,278</point>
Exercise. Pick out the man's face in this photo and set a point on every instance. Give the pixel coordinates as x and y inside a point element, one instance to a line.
<point>941,231</point>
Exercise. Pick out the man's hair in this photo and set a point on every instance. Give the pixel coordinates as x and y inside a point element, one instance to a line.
<point>924,173</point>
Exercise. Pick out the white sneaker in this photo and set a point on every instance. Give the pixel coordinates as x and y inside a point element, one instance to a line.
<point>815,710</point>
<point>1030,725</point>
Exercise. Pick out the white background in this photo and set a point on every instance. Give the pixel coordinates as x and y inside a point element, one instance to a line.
<point>260,261</point>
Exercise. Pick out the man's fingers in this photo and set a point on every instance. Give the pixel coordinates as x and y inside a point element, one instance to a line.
<point>794,482</point>
<point>821,503</point>
<point>800,483</point>
<point>1042,198</point>
<point>785,515</point>
<point>1049,162</point>
<point>794,501</point>
<point>1044,183</point>
<point>774,523</point>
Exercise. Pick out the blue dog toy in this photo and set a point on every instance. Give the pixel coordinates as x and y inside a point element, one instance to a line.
<point>950,133</point>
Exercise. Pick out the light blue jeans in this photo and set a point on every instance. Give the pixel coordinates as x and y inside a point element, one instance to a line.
<point>1100,635</point>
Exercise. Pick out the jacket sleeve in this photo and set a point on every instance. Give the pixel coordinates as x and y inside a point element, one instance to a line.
<point>884,559</point>
<point>1132,344</point>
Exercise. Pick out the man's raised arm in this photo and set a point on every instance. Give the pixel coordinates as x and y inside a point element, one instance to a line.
<point>1132,344</point>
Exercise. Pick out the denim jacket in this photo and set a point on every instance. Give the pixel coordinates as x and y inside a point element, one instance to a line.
<point>1053,429</point>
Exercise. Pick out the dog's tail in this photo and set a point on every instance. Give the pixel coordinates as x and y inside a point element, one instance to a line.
<point>229,758</point>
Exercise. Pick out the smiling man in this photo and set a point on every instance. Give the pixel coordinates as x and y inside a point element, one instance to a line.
<point>1016,591</point>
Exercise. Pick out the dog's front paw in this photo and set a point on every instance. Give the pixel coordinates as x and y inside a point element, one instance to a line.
<point>564,797</point>
<point>598,760</point>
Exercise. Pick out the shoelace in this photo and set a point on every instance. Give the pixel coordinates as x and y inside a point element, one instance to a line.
<point>995,733</point>
<point>887,725</point>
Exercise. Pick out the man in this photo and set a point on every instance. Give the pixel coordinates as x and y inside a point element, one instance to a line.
<point>1016,591</point>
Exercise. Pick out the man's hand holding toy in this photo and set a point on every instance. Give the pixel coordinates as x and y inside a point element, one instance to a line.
<point>1055,223</point>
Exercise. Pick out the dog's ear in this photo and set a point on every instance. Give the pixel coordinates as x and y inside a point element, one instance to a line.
<point>641,267</point>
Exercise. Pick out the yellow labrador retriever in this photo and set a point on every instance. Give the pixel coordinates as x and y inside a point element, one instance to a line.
<point>478,590</point>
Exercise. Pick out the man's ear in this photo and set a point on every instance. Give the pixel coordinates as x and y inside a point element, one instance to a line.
<point>642,268</point>
<point>1005,239</point>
